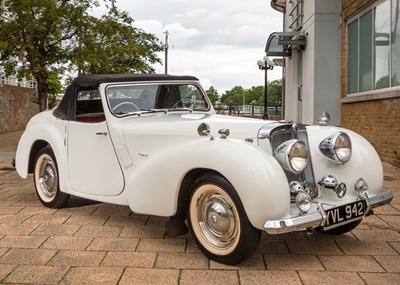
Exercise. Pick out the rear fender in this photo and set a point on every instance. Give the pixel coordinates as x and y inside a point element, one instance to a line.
<point>32,140</point>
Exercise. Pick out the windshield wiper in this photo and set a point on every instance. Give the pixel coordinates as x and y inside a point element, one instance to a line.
<point>181,109</point>
<point>155,110</point>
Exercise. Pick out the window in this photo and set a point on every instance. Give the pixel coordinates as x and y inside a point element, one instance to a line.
<point>373,48</point>
<point>89,108</point>
<point>137,99</point>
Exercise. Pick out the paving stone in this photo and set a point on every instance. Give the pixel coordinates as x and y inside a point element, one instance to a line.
<point>366,248</point>
<point>393,220</point>
<point>27,256</point>
<point>380,278</point>
<point>3,251</point>
<point>270,277</point>
<point>99,231</point>
<point>93,275</point>
<point>375,222</point>
<point>143,232</point>
<point>256,261</point>
<point>40,210</point>
<point>377,235</point>
<point>206,277</point>
<point>77,258</point>
<point>273,247</point>
<point>22,229</point>
<point>389,263</point>
<point>395,245</point>
<point>13,219</point>
<point>67,243</point>
<point>182,261</point>
<point>157,221</point>
<point>114,244</point>
<point>55,230</point>
<point>386,210</point>
<point>46,219</point>
<point>105,209</point>
<point>348,263</point>
<point>313,247</point>
<point>37,274</point>
<point>22,241</point>
<point>5,270</point>
<point>10,210</point>
<point>191,246</point>
<point>86,220</point>
<point>293,262</point>
<point>139,276</point>
<point>162,245</point>
<point>126,221</point>
<point>328,278</point>
<point>129,259</point>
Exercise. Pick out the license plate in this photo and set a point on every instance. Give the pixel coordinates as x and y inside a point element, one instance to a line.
<point>344,214</point>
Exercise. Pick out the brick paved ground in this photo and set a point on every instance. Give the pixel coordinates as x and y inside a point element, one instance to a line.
<point>97,243</point>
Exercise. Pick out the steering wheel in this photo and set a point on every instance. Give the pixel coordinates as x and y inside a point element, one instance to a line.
<point>125,107</point>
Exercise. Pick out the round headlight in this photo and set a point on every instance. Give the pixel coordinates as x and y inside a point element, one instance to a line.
<point>343,147</point>
<point>337,147</point>
<point>298,156</point>
<point>292,155</point>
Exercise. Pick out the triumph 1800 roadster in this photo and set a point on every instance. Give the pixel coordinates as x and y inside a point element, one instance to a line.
<point>155,143</point>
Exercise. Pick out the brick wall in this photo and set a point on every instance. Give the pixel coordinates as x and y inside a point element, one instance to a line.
<point>16,108</point>
<point>377,120</point>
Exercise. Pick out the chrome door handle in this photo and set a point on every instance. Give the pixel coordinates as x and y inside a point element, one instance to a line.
<point>101,134</point>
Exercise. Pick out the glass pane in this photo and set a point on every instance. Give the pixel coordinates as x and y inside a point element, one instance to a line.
<point>395,43</point>
<point>366,52</point>
<point>382,45</point>
<point>352,58</point>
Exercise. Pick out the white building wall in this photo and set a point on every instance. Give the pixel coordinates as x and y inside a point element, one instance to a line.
<point>320,71</point>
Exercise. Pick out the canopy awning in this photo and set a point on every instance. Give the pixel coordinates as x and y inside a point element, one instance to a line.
<point>281,43</point>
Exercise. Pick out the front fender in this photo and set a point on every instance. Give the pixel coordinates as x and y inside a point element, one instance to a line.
<point>364,162</point>
<point>257,177</point>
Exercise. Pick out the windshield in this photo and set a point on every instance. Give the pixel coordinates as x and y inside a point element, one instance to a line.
<point>137,99</point>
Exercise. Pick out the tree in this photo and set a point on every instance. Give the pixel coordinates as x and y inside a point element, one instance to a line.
<point>111,44</point>
<point>47,35</point>
<point>212,94</point>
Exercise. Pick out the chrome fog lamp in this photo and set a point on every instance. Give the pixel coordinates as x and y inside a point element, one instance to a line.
<point>303,201</point>
<point>361,187</point>
<point>337,147</point>
<point>292,155</point>
<point>340,190</point>
<point>330,182</point>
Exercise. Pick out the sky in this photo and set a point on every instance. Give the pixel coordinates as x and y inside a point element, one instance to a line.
<point>218,41</point>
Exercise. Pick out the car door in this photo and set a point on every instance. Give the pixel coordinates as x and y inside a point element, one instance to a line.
<point>92,162</point>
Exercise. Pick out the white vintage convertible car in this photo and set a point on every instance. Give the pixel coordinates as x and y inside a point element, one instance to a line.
<point>155,143</point>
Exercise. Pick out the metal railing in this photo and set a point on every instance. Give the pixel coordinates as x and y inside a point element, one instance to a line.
<point>251,110</point>
<point>15,81</point>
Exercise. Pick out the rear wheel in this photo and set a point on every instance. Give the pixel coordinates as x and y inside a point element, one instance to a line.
<point>341,229</point>
<point>218,222</point>
<point>46,180</point>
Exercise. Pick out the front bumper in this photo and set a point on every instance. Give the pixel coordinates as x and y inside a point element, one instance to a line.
<point>318,218</point>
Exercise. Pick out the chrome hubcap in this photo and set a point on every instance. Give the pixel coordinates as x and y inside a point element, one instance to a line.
<point>215,219</point>
<point>47,181</point>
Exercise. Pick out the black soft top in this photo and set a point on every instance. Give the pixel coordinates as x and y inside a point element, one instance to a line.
<point>66,108</point>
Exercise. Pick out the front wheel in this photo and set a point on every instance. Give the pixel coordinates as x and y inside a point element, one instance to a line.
<point>218,222</point>
<point>46,180</point>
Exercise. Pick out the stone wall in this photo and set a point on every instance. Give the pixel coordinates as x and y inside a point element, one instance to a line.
<point>16,107</point>
<point>377,120</point>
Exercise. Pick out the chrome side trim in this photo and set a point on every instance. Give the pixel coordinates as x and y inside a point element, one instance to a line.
<point>318,218</point>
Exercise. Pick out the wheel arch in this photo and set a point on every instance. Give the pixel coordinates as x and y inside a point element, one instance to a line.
<point>184,190</point>
<point>36,147</point>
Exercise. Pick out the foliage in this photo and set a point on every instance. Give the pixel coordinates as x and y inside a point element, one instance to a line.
<point>43,37</point>
<point>239,95</point>
<point>212,94</point>
<point>111,44</point>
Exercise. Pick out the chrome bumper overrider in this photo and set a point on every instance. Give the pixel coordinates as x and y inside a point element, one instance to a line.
<point>318,218</point>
